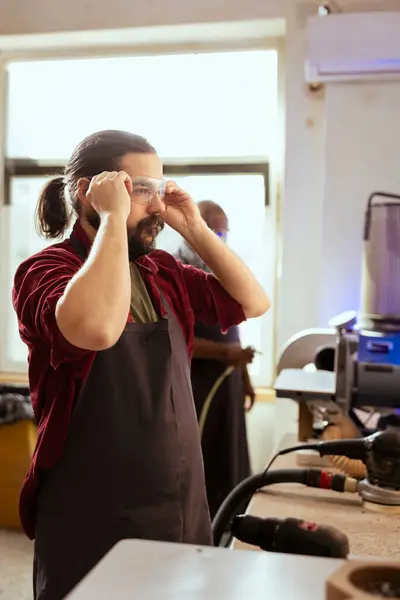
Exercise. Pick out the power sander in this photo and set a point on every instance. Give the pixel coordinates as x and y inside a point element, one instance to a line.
<point>380,490</point>
<point>380,452</point>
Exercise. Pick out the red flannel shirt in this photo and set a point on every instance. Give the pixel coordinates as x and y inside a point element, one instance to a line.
<point>57,369</point>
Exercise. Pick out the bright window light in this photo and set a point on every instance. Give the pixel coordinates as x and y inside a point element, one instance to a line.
<point>203,105</point>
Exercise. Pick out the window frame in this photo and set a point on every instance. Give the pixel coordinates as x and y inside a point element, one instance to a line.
<point>181,168</point>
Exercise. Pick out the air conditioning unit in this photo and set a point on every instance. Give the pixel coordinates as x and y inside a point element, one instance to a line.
<point>353,46</point>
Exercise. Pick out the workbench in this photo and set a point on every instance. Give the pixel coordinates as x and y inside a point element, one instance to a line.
<point>370,534</point>
<point>159,570</point>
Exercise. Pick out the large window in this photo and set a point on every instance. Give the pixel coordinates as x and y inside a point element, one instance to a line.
<point>23,241</point>
<point>212,117</point>
<point>204,105</point>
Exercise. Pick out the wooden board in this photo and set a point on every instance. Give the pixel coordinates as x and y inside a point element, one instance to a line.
<point>13,378</point>
<point>17,443</point>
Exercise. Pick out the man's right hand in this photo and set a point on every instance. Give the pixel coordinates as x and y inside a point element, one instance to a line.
<point>108,193</point>
<point>237,356</point>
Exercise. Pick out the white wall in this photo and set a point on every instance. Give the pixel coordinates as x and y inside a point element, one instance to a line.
<point>302,207</point>
<point>318,185</point>
<point>362,155</point>
<point>26,16</point>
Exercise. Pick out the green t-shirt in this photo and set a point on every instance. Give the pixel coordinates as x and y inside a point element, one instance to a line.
<point>142,309</point>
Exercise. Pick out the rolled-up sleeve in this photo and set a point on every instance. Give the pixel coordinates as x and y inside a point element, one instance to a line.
<point>39,284</point>
<point>211,304</point>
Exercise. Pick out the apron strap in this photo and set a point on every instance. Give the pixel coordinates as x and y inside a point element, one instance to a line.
<point>164,302</point>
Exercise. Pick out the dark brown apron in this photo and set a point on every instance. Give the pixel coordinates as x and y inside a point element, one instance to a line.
<point>132,465</point>
<point>224,443</point>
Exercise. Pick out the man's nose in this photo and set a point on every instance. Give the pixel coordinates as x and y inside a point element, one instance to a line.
<point>156,205</point>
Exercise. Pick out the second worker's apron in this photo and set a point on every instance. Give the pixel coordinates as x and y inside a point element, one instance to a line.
<point>224,443</point>
<point>132,464</point>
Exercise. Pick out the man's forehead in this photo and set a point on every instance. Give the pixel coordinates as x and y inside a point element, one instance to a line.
<point>142,165</point>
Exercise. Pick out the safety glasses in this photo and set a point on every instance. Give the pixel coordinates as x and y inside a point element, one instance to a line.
<point>145,189</point>
<point>221,234</point>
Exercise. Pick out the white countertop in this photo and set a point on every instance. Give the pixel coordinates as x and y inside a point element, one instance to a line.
<point>144,570</point>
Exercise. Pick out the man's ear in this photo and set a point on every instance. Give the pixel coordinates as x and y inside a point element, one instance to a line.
<point>82,188</point>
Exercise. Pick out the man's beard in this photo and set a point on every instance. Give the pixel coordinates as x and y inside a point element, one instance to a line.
<point>141,239</point>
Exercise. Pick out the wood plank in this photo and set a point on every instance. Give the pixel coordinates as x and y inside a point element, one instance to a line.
<point>265,395</point>
<point>6,377</point>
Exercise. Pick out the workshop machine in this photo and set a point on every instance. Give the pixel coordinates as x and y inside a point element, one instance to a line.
<point>350,372</point>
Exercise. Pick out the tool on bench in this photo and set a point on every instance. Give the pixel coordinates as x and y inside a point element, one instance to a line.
<point>291,536</point>
<point>380,453</point>
<point>314,478</point>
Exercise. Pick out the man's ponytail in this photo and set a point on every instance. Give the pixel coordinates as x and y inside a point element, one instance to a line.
<point>97,153</point>
<point>52,211</point>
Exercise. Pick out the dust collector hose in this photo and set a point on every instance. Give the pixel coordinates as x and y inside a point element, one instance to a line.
<point>348,466</point>
<point>314,478</point>
<point>244,491</point>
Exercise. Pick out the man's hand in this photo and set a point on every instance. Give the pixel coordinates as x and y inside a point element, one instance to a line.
<point>250,395</point>
<point>181,213</point>
<point>236,356</point>
<point>108,193</point>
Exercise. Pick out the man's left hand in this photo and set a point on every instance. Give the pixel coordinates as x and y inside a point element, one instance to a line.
<point>181,212</point>
<point>250,395</point>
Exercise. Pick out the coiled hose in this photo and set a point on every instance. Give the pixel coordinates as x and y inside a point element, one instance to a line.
<point>345,429</point>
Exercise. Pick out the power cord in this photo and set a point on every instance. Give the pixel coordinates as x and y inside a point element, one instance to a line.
<point>289,451</point>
